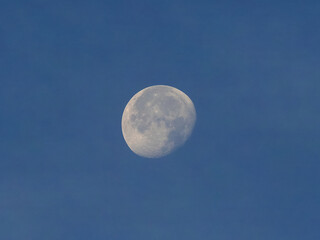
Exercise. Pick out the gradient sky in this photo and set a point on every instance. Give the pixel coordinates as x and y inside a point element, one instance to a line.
<point>249,171</point>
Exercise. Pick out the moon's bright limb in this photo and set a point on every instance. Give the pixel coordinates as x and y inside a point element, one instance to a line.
<point>157,120</point>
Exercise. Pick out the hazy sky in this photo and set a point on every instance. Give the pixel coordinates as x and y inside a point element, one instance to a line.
<point>249,171</point>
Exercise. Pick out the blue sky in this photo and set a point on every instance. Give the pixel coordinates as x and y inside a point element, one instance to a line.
<point>249,171</point>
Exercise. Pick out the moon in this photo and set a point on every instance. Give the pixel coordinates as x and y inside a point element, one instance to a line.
<point>158,120</point>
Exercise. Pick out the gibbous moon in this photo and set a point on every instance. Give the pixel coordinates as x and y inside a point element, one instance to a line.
<point>157,120</point>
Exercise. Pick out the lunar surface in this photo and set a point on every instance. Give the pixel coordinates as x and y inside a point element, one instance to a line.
<point>157,120</point>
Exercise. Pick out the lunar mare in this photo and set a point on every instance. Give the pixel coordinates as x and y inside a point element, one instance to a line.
<point>157,120</point>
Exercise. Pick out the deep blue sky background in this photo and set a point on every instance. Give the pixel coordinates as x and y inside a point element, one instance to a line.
<point>250,169</point>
